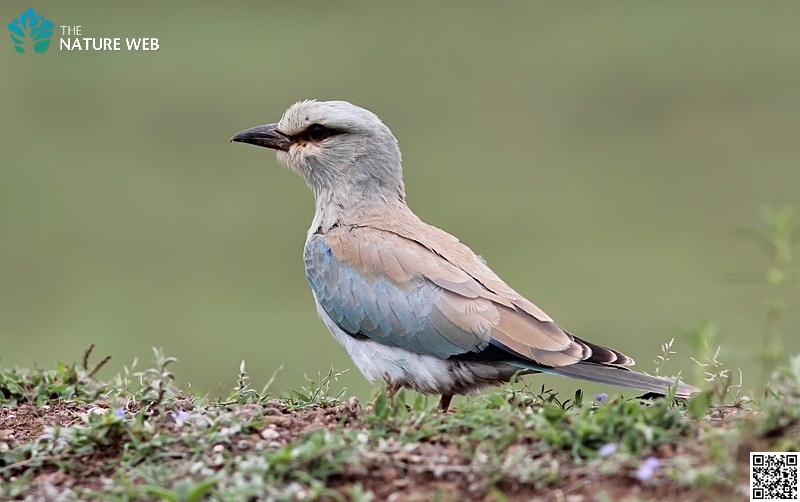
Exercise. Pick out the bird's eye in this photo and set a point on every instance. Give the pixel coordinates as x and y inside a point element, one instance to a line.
<point>318,132</point>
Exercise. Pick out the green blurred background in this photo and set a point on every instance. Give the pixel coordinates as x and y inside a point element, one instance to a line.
<point>599,156</point>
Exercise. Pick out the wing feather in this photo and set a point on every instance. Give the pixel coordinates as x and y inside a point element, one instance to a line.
<point>434,299</point>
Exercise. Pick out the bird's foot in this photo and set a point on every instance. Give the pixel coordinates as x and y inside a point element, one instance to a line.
<point>391,389</point>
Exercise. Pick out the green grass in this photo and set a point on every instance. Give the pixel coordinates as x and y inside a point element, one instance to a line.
<point>139,437</point>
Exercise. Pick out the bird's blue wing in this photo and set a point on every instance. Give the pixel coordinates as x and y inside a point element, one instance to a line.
<point>398,292</point>
<point>387,305</point>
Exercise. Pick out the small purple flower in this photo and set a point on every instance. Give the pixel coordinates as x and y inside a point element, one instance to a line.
<point>179,416</point>
<point>601,397</point>
<point>607,449</point>
<point>119,411</point>
<point>647,468</point>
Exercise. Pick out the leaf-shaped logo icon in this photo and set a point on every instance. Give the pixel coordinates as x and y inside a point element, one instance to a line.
<point>31,27</point>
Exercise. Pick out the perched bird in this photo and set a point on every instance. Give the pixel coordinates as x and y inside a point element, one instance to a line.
<point>411,304</point>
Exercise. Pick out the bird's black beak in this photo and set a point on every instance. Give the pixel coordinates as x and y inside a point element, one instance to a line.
<point>266,135</point>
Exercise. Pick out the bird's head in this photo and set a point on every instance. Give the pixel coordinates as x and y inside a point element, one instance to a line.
<point>344,152</point>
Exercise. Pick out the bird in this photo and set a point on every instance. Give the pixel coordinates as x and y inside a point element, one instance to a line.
<point>410,303</point>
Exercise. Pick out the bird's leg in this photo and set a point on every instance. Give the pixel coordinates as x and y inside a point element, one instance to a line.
<point>444,402</point>
<point>391,389</point>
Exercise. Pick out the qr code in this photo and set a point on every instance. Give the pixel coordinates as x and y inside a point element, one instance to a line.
<point>773,476</point>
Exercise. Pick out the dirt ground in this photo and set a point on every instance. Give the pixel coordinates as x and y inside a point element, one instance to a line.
<point>431,470</point>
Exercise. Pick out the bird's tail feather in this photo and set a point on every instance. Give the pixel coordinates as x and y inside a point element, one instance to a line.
<point>623,377</point>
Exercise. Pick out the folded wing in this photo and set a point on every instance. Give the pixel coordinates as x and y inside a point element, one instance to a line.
<point>398,291</point>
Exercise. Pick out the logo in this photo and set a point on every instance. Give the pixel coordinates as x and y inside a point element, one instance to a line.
<point>31,30</point>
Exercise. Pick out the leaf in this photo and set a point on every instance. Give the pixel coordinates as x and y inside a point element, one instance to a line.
<point>17,41</point>
<point>41,45</point>
<point>18,48</point>
<point>42,34</point>
<point>160,492</point>
<point>23,18</point>
<point>381,406</point>
<point>553,413</point>
<point>34,21</point>
<point>498,495</point>
<point>201,488</point>
<point>16,29</point>
<point>47,24</point>
<point>578,400</point>
<point>700,404</point>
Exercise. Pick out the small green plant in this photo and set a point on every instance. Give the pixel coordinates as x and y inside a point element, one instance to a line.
<point>317,392</point>
<point>703,337</point>
<point>156,383</point>
<point>779,238</point>
<point>38,386</point>
<point>243,393</point>
<point>661,359</point>
<point>781,407</point>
